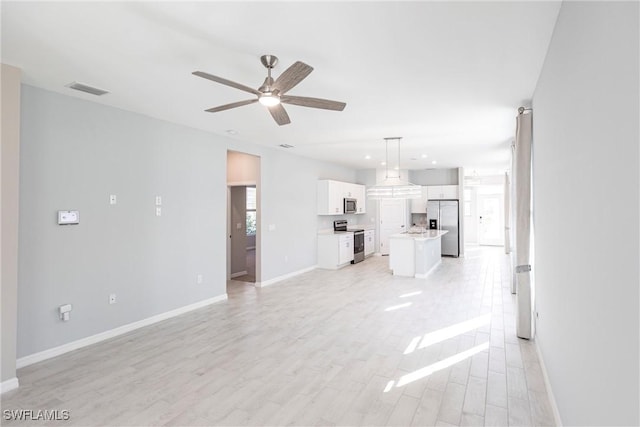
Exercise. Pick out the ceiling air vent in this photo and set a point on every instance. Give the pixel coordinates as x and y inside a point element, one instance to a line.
<point>86,88</point>
<point>286,146</point>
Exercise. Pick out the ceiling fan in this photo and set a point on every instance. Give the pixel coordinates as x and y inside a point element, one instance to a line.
<point>272,93</point>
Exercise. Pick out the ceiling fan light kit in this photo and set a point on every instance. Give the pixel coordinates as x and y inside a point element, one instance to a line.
<point>269,100</point>
<point>272,92</point>
<point>393,187</point>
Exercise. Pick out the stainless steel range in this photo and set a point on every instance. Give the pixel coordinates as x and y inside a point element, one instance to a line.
<point>340,226</point>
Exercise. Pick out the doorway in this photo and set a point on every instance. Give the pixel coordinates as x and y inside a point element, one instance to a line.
<point>490,219</point>
<point>243,218</point>
<point>393,219</point>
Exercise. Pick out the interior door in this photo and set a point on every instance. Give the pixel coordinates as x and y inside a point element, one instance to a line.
<point>490,220</point>
<point>393,219</point>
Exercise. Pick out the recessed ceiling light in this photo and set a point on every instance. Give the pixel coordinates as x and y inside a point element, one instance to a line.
<point>433,162</point>
<point>413,158</point>
<point>232,131</point>
<point>367,157</point>
<point>286,146</point>
<point>396,168</point>
<point>424,156</point>
<point>383,163</point>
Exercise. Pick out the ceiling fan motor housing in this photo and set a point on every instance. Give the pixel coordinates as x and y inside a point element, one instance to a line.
<point>266,86</point>
<point>269,61</point>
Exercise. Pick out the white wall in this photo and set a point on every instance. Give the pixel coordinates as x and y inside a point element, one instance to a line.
<point>9,214</point>
<point>76,153</point>
<point>585,149</point>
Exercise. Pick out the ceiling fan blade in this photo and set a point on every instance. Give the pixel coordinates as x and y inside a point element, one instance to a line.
<point>225,82</point>
<point>304,101</point>
<point>279,114</point>
<point>292,76</point>
<point>230,106</point>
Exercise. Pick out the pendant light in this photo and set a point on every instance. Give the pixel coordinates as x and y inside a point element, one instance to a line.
<point>393,187</point>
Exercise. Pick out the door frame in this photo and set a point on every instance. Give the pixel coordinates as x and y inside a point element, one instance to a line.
<point>230,225</point>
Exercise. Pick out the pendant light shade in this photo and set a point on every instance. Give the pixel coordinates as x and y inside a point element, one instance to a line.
<point>393,187</point>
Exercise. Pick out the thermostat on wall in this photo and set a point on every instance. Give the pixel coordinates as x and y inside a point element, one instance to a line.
<point>68,217</point>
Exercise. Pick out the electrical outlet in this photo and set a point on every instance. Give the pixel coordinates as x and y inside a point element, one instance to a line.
<point>158,211</point>
<point>112,299</point>
<point>158,201</point>
<point>199,279</point>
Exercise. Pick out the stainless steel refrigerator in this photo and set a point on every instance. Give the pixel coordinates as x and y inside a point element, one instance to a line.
<point>443,215</point>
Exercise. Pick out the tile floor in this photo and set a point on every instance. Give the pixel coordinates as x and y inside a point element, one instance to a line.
<point>350,347</point>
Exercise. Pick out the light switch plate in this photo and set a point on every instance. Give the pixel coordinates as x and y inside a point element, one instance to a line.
<point>68,217</point>
<point>113,199</point>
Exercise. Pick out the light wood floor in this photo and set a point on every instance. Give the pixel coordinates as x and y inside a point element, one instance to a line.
<point>323,348</point>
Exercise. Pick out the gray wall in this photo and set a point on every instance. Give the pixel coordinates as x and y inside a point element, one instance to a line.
<point>9,155</point>
<point>76,153</point>
<point>586,219</point>
<point>434,176</point>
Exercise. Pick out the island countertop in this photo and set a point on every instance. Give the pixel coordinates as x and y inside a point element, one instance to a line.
<point>427,235</point>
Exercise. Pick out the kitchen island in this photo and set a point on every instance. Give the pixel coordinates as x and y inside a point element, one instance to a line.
<point>415,254</point>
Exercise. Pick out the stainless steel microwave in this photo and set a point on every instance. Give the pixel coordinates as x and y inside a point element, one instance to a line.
<point>350,206</point>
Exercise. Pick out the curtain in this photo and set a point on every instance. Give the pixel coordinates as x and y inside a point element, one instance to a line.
<point>522,223</point>
<point>507,215</point>
<point>512,216</point>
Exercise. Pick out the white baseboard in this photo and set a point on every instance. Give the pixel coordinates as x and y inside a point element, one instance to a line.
<point>284,276</point>
<point>93,339</point>
<point>9,385</point>
<point>547,383</point>
<point>238,274</point>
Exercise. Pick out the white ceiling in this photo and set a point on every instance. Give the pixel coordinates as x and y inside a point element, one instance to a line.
<point>448,77</point>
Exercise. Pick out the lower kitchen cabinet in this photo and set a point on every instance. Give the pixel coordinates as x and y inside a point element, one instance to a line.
<point>369,242</point>
<point>335,250</point>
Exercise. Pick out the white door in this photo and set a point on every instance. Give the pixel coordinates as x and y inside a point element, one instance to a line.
<point>490,219</point>
<point>393,219</point>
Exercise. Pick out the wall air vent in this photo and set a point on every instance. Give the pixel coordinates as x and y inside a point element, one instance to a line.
<point>286,146</point>
<point>86,88</point>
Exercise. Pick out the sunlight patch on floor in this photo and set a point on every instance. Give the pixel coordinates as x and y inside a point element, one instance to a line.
<point>438,366</point>
<point>396,307</point>
<point>448,332</point>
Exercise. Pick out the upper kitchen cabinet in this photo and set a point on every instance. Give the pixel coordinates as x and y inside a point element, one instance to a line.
<point>442,192</point>
<point>331,195</point>
<point>420,205</point>
<point>359,193</point>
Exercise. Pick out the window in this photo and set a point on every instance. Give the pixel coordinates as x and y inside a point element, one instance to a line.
<point>251,211</point>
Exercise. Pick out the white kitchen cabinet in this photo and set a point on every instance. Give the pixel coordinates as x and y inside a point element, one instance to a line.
<point>360,194</point>
<point>420,205</point>
<point>369,242</point>
<point>442,192</point>
<point>345,249</point>
<point>335,250</point>
<point>331,195</point>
